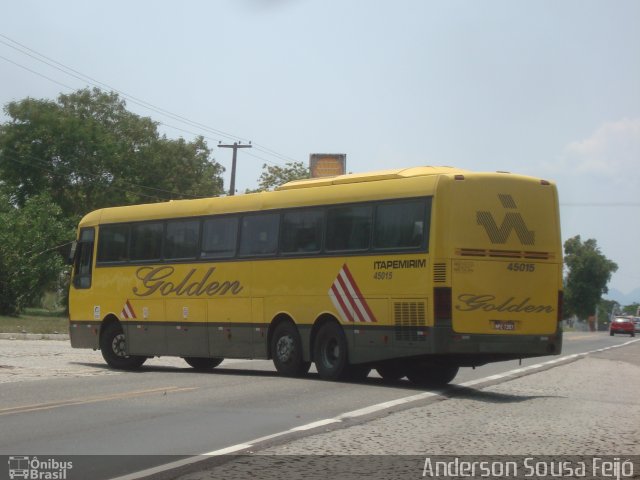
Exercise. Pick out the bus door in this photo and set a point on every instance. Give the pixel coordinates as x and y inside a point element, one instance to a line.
<point>83,260</point>
<point>82,277</point>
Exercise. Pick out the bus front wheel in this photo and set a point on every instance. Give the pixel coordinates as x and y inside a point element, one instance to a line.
<point>203,363</point>
<point>330,352</point>
<point>286,349</point>
<point>113,345</point>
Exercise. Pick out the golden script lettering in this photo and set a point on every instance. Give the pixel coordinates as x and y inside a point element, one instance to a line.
<point>156,279</point>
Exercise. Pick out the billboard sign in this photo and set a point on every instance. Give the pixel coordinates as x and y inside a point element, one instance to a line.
<point>327,164</point>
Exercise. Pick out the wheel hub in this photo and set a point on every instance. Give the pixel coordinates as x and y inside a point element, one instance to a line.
<point>284,348</point>
<point>331,352</point>
<point>119,346</point>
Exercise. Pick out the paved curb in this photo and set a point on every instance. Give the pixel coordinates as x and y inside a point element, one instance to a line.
<point>34,336</point>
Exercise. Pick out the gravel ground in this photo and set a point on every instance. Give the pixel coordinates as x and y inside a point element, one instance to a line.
<point>585,408</point>
<point>28,359</point>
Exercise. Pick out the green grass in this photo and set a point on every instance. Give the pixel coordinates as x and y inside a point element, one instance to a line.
<point>36,321</point>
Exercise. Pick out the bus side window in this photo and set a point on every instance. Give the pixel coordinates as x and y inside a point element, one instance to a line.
<point>259,234</point>
<point>181,239</point>
<point>146,241</point>
<point>400,225</point>
<point>348,228</point>
<point>302,231</point>
<point>219,237</point>
<point>113,243</point>
<point>83,259</point>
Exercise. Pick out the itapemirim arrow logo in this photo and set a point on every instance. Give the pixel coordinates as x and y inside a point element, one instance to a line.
<point>512,221</point>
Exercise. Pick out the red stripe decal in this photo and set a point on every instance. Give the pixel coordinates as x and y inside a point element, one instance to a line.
<point>358,292</point>
<point>340,300</point>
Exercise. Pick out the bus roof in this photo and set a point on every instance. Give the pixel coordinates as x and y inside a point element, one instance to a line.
<point>371,176</point>
<point>300,193</point>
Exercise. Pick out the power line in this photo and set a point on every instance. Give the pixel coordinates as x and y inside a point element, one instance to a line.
<point>263,149</point>
<point>80,76</point>
<point>161,123</point>
<point>53,172</point>
<point>36,73</point>
<point>216,140</point>
<point>602,204</point>
<point>96,83</point>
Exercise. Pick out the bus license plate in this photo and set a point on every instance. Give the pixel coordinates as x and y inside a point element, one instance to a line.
<point>503,324</point>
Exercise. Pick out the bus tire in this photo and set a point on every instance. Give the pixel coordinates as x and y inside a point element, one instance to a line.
<point>391,371</point>
<point>330,352</point>
<point>286,350</point>
<point>113,347</point>
<point>203,363</point>
<point>432,376</point>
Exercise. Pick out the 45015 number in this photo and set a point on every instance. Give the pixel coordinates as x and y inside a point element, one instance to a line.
<point>383,275</point>
<point>521,267</point>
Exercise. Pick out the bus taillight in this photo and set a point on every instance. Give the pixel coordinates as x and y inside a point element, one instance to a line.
<point>442,304</point>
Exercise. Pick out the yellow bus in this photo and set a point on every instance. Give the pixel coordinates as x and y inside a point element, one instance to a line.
<point>413,272</point>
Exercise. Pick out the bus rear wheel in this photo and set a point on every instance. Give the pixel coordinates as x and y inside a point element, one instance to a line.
<point>203,363</point>
<point>113,346</point>
<point>432,376</point>
<point>286,350</point>
<point>330,352</point>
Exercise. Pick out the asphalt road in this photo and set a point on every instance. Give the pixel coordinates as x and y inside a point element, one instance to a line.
<point>164,412</point>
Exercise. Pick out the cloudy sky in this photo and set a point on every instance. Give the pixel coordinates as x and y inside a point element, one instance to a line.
<point>545,88</point>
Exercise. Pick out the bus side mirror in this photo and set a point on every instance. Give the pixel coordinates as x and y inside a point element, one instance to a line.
<point>72,252</point>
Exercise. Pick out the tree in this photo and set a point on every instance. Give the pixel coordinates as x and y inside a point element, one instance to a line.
<point>589,271</point>
<point>632,309</point>
<point>274,175</point>
<point>87,151</point>
<point>61,159</point>
<point>29,260</point>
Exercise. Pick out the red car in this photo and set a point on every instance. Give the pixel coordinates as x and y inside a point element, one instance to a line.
<point>622,325</point>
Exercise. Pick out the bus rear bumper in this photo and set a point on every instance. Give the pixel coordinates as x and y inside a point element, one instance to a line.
<point>475,349</point>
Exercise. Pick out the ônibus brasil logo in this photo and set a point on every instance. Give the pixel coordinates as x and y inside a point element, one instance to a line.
<point>33,468</point>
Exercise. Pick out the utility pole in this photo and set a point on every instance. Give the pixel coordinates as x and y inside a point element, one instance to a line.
<point>235,146</point>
